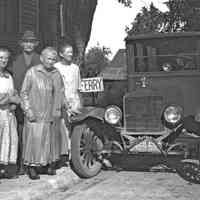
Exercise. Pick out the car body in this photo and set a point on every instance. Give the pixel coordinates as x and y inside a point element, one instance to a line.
<point>159,84</point>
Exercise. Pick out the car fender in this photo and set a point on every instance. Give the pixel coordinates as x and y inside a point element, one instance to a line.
<point>95,117</point>
<point>192,161</point>
<point>87,112</point>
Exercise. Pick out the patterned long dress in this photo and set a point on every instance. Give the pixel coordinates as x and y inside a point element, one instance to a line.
<point>8,125</point>
<point>41,97</point>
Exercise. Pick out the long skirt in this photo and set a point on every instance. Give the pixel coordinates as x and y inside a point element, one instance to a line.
<point>63,132</point>
<point>41,143</point>
<point>8,138</point>
<point>65,140</point>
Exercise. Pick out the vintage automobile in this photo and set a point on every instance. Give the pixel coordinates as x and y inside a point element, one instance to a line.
<point>163,90</point>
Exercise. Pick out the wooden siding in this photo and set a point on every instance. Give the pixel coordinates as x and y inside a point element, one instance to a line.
<point>9,23</point>
<point>48,21</point>
<point>29,15</point>
<point>16,16</point>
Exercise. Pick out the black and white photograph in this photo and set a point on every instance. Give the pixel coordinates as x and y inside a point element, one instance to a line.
<point>99,99</point>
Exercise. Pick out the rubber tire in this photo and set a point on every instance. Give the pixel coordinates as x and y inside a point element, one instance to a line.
<point>183,174</point>
<point>79,168</point>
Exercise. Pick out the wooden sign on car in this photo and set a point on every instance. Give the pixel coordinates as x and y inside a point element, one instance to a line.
<point>94,84</point>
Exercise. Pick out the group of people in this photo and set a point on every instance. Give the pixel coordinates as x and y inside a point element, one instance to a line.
<point>36,92</point>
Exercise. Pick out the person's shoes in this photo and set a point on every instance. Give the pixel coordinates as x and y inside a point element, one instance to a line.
<point>2,173</point>
<point>10,176</point>
<point>51,171</point>
<point>32,173</point>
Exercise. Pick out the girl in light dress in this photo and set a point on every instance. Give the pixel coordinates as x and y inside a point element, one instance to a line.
<point>8,126</point>
<point>71,78</point>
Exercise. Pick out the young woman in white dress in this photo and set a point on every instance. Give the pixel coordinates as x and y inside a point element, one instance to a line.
<point>71,78</point>
<point>8,126</point>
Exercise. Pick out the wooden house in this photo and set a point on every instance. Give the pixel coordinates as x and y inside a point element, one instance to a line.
<point>38,15</point>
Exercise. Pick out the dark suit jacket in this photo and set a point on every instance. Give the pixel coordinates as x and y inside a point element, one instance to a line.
<point>19,69</point>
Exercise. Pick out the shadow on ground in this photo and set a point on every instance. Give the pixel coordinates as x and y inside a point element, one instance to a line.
<point>145,162</point>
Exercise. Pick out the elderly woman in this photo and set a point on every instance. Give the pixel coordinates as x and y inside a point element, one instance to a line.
<point>8,125</point>
<point>41,95</point>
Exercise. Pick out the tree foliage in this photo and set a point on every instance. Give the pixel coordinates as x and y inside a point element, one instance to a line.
<point>182,15</point>
<point>127,3</point>
<point>95,60</point>
<point>148,20</point>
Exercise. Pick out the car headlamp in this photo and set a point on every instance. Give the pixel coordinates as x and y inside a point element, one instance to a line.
<point>113,114</point>
<point>173,114</point>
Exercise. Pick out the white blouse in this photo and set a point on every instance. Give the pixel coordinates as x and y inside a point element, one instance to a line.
<point>6,85</point>
<point>72,82</point>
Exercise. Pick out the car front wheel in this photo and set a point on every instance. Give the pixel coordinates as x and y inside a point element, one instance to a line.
<point>85,145</point>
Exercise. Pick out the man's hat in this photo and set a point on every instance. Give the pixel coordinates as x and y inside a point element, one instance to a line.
<point>29,35</point>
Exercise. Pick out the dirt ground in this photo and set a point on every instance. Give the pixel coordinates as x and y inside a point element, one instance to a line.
<point>110,185</point>
<point>24,188</point>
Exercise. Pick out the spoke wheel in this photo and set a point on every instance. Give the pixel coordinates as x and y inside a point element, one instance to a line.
<point>85,145</point>
<point>190,171</point>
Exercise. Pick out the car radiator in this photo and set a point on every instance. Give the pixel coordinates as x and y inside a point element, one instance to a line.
<point>143,113</point>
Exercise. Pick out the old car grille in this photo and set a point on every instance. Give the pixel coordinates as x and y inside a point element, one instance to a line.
<point>143,113</point>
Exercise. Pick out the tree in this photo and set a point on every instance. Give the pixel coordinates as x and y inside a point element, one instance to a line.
<point>182,15</point>
<point>148,20</point>
<point>95,60</point>
<point>78,17</point>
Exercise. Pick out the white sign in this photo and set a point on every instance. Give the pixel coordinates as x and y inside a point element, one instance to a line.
<point>94,84</point>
